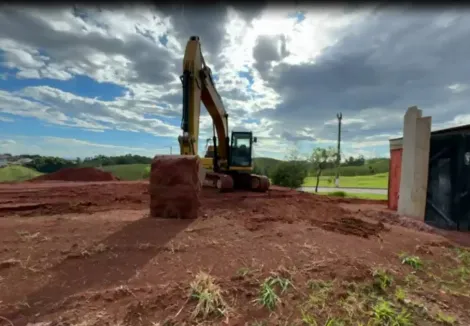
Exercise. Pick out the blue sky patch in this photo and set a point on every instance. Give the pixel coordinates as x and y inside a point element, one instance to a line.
<point>163,39</point>
<point>299,15</point>
<point>79,85</point>
<point>33,127</point>
<point>247,75</point>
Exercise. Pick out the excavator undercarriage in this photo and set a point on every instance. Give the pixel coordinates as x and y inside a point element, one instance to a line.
<point>236,181</point>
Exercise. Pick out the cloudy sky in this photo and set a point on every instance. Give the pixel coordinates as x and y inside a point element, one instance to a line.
<point>80,81</point>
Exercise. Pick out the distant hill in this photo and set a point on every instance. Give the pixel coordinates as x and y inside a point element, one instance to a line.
<point>17,173</point>
<point>265,165</point>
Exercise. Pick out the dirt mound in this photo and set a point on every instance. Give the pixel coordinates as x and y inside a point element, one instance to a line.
<point>175,187</point>
<point>77,174</point>
<point>353,226</point>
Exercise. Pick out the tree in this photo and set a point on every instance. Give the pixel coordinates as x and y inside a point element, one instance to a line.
<point>320,158</point>
<point>49,164</point>
<point>292,172</point>
<point>351,161</point>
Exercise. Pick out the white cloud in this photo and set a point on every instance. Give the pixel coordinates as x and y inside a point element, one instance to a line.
<point>282,77</point>
<point>5,119</point>
<point>70,147</point>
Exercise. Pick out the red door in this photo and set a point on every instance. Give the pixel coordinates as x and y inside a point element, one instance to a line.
<point>394,178</point>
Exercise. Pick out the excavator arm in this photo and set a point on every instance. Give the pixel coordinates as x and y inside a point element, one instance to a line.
<point>175,180</point>
<point>198,86</point>
<point>231,164</point>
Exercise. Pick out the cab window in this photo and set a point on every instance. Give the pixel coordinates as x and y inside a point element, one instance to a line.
<point>241,149</point>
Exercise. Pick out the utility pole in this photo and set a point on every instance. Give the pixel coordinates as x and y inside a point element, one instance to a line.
<point>171,150</point>
<point>338,154</point>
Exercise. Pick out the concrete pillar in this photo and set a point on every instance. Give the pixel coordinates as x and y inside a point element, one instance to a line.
<point>414,164</point>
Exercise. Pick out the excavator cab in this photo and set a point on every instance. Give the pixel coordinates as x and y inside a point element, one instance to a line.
<point>241,153</point>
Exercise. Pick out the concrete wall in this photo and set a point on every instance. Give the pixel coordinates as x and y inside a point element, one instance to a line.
<point>415,164</point>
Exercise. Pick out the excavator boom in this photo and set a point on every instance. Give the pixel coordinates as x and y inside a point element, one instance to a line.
<point>228,163</point>
<point>198,86</point>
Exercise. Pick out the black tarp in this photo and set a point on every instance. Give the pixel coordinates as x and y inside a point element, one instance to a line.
<point>448,195</point>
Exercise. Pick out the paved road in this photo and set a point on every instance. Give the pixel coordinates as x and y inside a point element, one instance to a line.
<point>348,190</point>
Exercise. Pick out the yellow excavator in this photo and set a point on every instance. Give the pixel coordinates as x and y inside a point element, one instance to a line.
<point>228,162</point>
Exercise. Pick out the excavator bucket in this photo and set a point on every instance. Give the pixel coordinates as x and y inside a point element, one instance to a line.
<point>175,186</point>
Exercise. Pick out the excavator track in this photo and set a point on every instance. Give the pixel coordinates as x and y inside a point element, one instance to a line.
<point>230,182</point>
<point>259,183</point>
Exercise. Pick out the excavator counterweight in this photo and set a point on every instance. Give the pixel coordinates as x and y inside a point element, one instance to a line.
<point>227,163</point>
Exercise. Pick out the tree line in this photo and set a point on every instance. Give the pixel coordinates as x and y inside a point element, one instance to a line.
<point>49,164</point>
<point>292,171</point>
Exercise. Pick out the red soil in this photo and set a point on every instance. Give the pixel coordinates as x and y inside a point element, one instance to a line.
<point>86,253</point>
<point>175,186</point>
<point>77,174</point>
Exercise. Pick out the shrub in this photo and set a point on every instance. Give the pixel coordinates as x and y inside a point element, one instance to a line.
<point>337,194</point>
<point>289,174</point>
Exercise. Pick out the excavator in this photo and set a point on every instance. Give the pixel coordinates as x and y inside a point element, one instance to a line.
<point>228,162</point>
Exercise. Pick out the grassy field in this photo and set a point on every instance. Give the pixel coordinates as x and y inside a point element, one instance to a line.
<point>131,172</point>
<point>380,181</point>
<point>128,172</point>
<point>352,195</point>
<point>17,173</point>
<point>363,181</point>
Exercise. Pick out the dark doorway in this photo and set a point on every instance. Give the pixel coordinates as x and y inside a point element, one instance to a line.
<point>448,195</point>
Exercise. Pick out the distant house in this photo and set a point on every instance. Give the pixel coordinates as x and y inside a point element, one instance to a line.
<point>3,163</point>
<point>22,161</point>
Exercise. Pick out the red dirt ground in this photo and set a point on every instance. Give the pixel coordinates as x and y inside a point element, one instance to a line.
<point>82,253</point>
<point>77,174</point>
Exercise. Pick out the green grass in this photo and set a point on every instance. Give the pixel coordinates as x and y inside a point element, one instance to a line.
<point>379,181</point>
<point>17,173</point>
<point>128,172</point>
<point>359,196</point>
<point>132,172</point>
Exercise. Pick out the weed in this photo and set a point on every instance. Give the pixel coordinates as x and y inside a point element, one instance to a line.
<point>319,285</point>
<point>462,272</point>
<point>382,279</point>
<point>244,271</point>
<point>413,261</point>
<point>353,305</point>
<point>267,295</point>
<point>308,319</point>
<point>463,255</point>
<point>311,321</point>
<point>208,296</point>
<point>334,322</point>
<point>445,319</point>
<point>385,315</point>
<point>400,294</point>
<point>321,290</point>
<point>412,280</point>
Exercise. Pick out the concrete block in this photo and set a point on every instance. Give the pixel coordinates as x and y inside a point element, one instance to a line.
<point>415,164</point>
